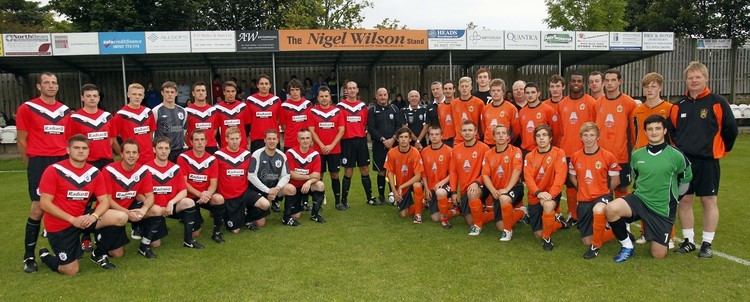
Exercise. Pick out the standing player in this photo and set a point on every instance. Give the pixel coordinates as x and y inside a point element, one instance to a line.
<point>136,122</point>
<point>263,112</point>
<point>533,115</point>
<point>201,173</point>
<point>466,108</point>
<point>544,172</point>
<point>662,173</point>
<point>498,112</point>
<point>233,164</point>
<point>415,117</point>
<point>433,118</point>
<point>519,94</point>
<point>612,116</point>
<point>596,174</point>
<point>596,80</point>
<point>501,174</point>
<point>436,161</point>
<point>556,87</point>
<point>170,195</point>
<point>65,188</point>
<point>269,177</point>
<point>445,114</point>
<point>327,129</point>
<point>574,110</point>
<point>41,142</point>
<point>705,130</point>
<point>293,114</point>
<point>354,143</point>
<point>466,177</point>
<point>383,120</point>
<point>483,77</point>
<point>200,116</point>
<point>404,166</point>
<point>96,125</point>
<point>304,170</point>
<point>170,120</point>
<point>232,113</point>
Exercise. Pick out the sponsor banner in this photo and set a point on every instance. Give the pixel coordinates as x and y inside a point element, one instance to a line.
<point>558,40</point>
<point>115,43</point>
<point>485,39</point>
<point>2,53</point>
<point>446,39</point>
<point>354,39</point>
<point>167,41</point>
<point>257,40</point>
<point>658,41</point>
<point>213,41</point>
<point>20,45</point>
<point>714,44</point>
<point>522,40</point>
<point>70,44</point>
<point>625,41</point>
<point>592,40</point>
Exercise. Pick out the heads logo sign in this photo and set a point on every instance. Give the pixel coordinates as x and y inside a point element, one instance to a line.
<point>18,45</point>
<point>446,38</point>
<point>115,43</point>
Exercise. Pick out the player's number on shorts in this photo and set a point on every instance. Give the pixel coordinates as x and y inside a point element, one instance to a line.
<point>666,237</point>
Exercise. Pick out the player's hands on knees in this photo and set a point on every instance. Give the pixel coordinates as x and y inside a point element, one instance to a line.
<point>496,194</point>
<point>134,215</point>
<point>474,189</point>
<point>305,187</point>
<point>544,196</point>
<point>427,195</point>
<point>454,199</point>
<point>169,210</point>
<point>205,197</point>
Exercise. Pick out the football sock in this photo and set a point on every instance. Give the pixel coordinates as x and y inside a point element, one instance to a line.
<point>572,202</point>
<point>689,234</point>
<point>367,185</point>
<point>418,200</point>
<point>317,202</point>
<point>218,211</point>
<point>51,261</point>
<point>475,205</point>
<point>381,185</point>
<point>336,187</point>
<point>510,216</point>
<point>621,232</point>
<point>346,184</point>
<point>708,236</point>
<point>32,233</point>
<point>599,226</point>
<point>549,225</point>
<point>290,204</point>
<point>188,218</point>
<point>444,206</point>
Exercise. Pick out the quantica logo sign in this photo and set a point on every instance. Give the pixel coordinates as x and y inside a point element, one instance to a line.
<point>295,40</point>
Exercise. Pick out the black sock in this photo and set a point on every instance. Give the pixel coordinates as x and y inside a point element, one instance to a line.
<point>218,211</point>
<point>620,229</point>
<point>32,233</point>
<point>381,185</point>
<point>336,187</point>
<point>290,204</point>
<point>317,202</point>
<point>367,184</point>
<point>188,217</point>
<point>51,261</point>
<point>346,184</point>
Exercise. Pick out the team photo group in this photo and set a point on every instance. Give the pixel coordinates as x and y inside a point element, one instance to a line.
<point>481,152</point>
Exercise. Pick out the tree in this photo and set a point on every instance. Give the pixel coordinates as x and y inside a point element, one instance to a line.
<point>389,23</point>
<point>241,15</point>
<point>122,15</point>
<point>592,15</point>
<point>325,14</point>
<point>19,16</point>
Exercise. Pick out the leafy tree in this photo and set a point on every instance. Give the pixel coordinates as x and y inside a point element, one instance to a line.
<point>389,23</point>
<point>593,15</point>
<point>122,15</point>
<point>19,16</point>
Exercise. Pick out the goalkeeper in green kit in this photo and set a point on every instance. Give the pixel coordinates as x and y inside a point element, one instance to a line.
<point>662,175</point>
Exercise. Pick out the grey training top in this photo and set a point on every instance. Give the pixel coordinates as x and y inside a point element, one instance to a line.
<point>267,172</point>
<point>170,123</point>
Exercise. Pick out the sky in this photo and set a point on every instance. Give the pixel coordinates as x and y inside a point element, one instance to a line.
<point>455,14</point>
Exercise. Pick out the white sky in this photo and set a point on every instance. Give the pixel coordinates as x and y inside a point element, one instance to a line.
<point>455,14</point>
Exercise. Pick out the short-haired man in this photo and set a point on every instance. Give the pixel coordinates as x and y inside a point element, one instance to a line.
<point>556,88</point>
<point>201,173</point>
<point>705,130</point>
<point>354,151</point>
<point>436,161</point>
<point>404,166</point>
<point>232,113</point>
<point>436,89</point>
<point>445,115</point>
<point>466,177</point>
<point>544,172</point>
<point>415,118</point>
<point>662,174</point>
<point>501,175</point>
<point>596,81</point>
<point>519,94</point>
<point>170,120</point>
<point>498,112</point>
<point>383,120</point>
<point>595,172</point>
<point>269,179</point>
<point>466,108</point>
<point>533,115</point>
<point>263,112</point>
<point>170,196</point>
<point>41,124</point>
<point>327,128</point>
<point>483,77</point>
<point>201,116</point>
<point>65,188</point>
<point>134,121</point>
<point>293,114</point>
<point>233,164</point>
<point>304,170</point>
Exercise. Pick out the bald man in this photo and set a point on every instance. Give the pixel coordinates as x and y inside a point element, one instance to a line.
<point>383,121</point>
<point>519,94</point>
<point>416,119</point>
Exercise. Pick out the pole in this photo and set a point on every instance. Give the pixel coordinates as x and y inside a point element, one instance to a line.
<point>559,63</point>
<point>273,72</point>
<point>733,73</point>
<point>450,65</point>
<point>338,84</point>
<point>124,79</point>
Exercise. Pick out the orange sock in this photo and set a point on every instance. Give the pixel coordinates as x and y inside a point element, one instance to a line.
<point>572,202</point>
<point>549,225</point>
<point>444,205</point>
<point>418,200</point>
<point>674,233</point>
<point>510,216</point>
<point>476,212</point>
<point>643,228</point>
<point>607,236</point>
<point>599,225</point>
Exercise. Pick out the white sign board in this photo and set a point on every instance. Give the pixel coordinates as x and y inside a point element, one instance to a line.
<point>18,45</point>
<point>658,41</point>
<point>714,44</point>
<point>625,41</point>
<point>522,40</point>
<point>70,44</point>
<point>485,39</point>
<point>213,41</point>
<point>558,40</point>
<point>592,40</point>
<point>167,41</point>
<point>446,39</point>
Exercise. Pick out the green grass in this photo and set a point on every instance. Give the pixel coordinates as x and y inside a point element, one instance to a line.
<point>368,253</point>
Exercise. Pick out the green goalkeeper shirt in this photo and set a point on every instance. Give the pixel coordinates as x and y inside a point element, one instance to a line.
<point>658,176</point>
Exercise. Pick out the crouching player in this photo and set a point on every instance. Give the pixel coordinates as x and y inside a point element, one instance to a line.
<point>662,174</point>
<point>304,167</point>
<point>466,176</point>
<point>65,188</point>
<point>269,176</point>
<point>501,172</point>
<point>595,174</point>
<point>436,161</point>
<point>170,196</point>
<point>544,172</point>
<point>233,163</point>
<point>201,178</point>
<point>404,167</point>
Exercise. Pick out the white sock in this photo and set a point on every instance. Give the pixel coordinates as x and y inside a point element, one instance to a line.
<point>689,234</point>
<point>627,243</point>
<point>708,236</point>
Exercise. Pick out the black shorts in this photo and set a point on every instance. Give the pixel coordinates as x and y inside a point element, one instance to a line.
<point>116,238</point>
<point>354,152</point>
<point>330,163</point>
<point>256,144</point>
<point>407,200</point>
<point>463,205</point>
<point>432,204</point>
<point>535,214</point>
<point>585,213</point>
<point>379,152</point>
<point>706,175</point>
<point>235,211</point>
<point>625,176</point>
<point>67,244</point>
<point>658,228</point>
<point>35,169</point>
<point>101,163</point>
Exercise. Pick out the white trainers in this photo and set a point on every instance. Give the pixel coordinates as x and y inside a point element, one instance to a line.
<point>506,235</point>
<point>475,230</point>
<point>671,243</point>
<point>641,240</point>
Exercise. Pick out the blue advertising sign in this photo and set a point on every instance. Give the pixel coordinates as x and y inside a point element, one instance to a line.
<point>117,43</point>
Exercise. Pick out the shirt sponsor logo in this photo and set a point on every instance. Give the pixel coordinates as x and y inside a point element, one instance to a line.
<point>233,122</point>
<point>203,126</point>
<point>54,129</point>
<point>302,171</point>
<point>197,177</point>
<point>326,125</point>
<point>142,130</point>
<point>125,195</point>
<point>235,172</point>
<point>264,114</point>
<point>162,190</point>
<point>299,118</point>
<point>97,136</point>
<point>353,119</point>
<point>78,195</point>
